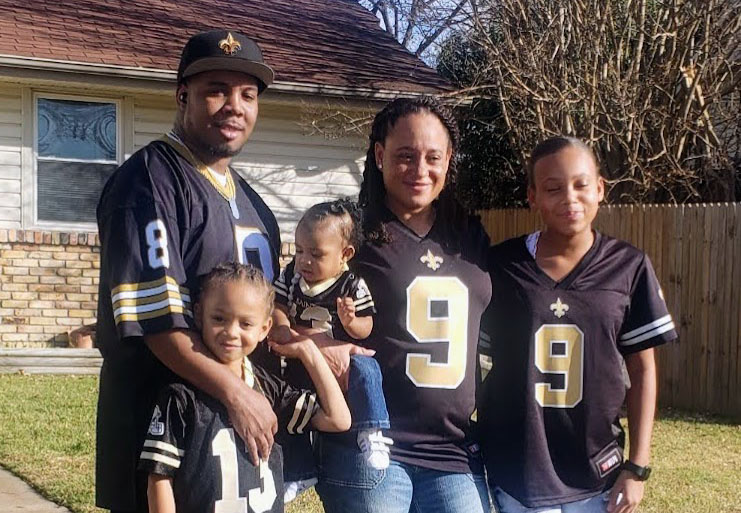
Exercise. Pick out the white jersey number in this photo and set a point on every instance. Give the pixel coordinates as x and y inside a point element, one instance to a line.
<point>559,349</point>
<point>437,311</point>
<point>157,254</point>
<point>260,499</point>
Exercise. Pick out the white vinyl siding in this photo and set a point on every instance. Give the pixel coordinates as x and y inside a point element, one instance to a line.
<point>11,145</point>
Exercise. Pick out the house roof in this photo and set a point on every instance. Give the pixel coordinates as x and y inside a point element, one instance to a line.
<point>325,42</point>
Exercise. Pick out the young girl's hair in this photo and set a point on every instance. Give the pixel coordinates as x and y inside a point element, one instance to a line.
<point>346,214</point>
<point>373,192</point>
<point>234,272</point>
<point>554,145</point>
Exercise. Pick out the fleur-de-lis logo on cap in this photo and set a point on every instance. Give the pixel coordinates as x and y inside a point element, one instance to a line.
<point>229,44</point>
<point>432,261</point>
<point>559,308</point>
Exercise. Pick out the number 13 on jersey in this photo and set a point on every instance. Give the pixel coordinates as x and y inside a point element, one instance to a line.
<point>437,311</point>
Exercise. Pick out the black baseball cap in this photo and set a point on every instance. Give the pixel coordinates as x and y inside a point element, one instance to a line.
<point>224,50</point>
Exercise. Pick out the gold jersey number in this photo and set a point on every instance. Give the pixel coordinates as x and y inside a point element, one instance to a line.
<point>437,311</point>
<point>559,349</point>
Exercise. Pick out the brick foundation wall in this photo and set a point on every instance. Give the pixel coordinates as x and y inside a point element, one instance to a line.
<point>48,286</point>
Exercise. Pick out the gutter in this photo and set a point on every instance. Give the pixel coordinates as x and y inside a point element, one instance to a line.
<point>168,76</point>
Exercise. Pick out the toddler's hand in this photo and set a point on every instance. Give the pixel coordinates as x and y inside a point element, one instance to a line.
<point>346,310</point>
<point>280,335</point>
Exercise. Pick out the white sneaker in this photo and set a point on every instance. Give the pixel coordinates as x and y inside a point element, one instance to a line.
<point>293,489</point>
<point>375,447</point>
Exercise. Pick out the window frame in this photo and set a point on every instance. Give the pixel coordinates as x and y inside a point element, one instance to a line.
<point>43,95</point>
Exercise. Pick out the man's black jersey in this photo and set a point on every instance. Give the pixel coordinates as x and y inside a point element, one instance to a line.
<point>315,306</point>
<point>162,226</point>
<point>549,409</point>
<point>429,302</point>
<point>190,439</point>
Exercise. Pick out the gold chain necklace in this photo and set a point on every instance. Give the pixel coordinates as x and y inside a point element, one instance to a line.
<point>228,191</point>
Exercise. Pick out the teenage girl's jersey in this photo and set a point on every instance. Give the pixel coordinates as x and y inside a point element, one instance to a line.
<point>549,409</point>
<point>191,440</point>
<point>429,303</point>
<point>162,226</point>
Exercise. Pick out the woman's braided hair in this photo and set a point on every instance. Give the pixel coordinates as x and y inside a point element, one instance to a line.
<point>372,196</point>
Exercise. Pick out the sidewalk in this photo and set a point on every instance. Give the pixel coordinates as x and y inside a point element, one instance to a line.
<point>17,497</point>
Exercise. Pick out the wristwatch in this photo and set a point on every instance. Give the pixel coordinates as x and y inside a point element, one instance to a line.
<point>642,473</point>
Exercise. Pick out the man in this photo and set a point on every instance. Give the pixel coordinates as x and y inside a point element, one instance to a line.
<point>167,216</point>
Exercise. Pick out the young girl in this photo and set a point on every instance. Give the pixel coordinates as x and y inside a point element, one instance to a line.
<point>194,461</point>
<point>570,305</point>
<point>317,290</point>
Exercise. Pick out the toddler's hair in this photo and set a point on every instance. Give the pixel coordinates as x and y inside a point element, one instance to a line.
<point>347,215</point>
<point>554,145</point>
<point>231,272</point>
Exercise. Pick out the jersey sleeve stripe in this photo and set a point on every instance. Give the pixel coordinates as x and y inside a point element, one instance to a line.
<point>296,413</point>
<point>152,299</point>
<point>150,307</point>
<point>164,446</point>
<point>646,327</point>
<point>651,334</point>
<point>310,409</point>
<point>161,458</point>
<point>169,288</point>
<point>134,302</point>
<point>360,305</point>
<point>133,287</point>
<point>305,408</point>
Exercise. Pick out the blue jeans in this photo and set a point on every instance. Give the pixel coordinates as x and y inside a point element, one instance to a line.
<point>365,394</point>
<point>348,485</point>
<point>508,504</point>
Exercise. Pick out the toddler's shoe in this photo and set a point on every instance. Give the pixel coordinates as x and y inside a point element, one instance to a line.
<point>375,447</point>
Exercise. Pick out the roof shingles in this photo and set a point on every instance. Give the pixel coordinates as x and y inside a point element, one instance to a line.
<point>328,42</point>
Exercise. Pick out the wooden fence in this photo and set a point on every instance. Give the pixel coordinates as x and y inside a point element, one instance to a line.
<point>696,251</point>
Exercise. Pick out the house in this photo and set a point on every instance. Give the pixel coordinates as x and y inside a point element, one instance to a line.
<point>85,83</point>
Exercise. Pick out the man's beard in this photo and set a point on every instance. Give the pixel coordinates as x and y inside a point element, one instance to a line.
<point>217,151</point>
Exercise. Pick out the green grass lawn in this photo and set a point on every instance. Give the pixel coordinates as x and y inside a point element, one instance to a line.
<point>47,429</point>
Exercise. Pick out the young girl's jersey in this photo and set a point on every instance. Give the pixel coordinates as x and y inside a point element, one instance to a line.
<point>191,439</point>
<point>315,306</point>
<point>425,336</point>
<point>549,409</point>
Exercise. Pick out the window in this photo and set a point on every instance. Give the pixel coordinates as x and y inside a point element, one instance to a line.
<point>77,150</point>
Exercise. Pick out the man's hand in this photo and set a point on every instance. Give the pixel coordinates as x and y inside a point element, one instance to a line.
<point>626,494</point>
<point>254,422</point>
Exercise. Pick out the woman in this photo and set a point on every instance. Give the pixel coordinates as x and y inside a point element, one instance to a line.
<point>423,261</point>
